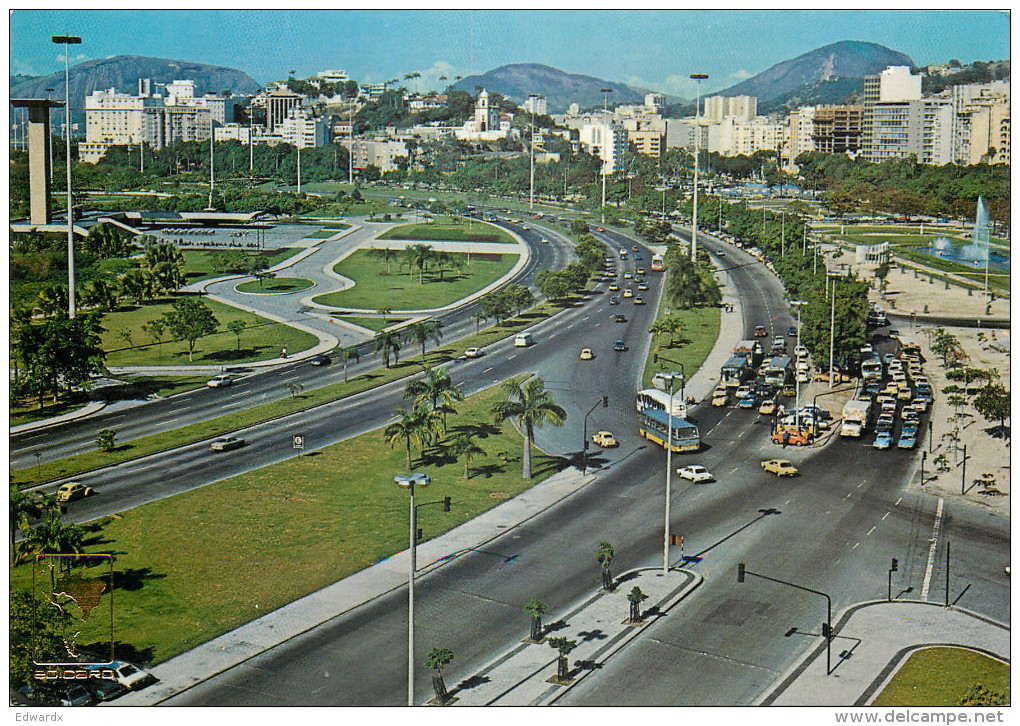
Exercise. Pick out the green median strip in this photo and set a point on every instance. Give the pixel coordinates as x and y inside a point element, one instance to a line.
<point>209,560</point>
<point>89,461</point>
<point>935,677</point>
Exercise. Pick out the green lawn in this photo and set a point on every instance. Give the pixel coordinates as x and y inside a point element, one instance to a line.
<point>450,229</point>
<point>209,560</point>
<point>690,348</point>
<point>275,285</point>
<point>401,290</point>
<point>325,233</point>
<point>22,412</point>
<point>375,324</point>
<point>198,263</point>
<point>941,676</point>
<point>261,340</point>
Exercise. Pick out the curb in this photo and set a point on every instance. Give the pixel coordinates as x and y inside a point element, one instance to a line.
<point>86,410</point>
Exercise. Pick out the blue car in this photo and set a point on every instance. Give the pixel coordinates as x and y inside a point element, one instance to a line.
<point>907,440</point>
<point>746,402</point>
<point>883,440</point>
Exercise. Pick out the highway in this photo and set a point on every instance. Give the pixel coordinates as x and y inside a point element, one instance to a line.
<point>834,528</point>
<point>152,417</point>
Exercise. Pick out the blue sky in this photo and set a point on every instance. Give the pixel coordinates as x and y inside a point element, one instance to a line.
<point>653,49</point>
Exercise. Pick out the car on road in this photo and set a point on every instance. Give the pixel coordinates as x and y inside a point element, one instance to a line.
<point>628,293</point>
<point>634,248</point>
<point>747,401</point>
<point>908,438</point>
<point>321,360</point>
<point>419,478</point>
<point>473,353</point>
<point>614,287</point>
<point>883,440</point>
<point>640,270</point>
<point>620,318</point>
<point>800,351</point>
<point>760,332</point>
<point>614,300</point>
<point>586,354</point>
<point>600,229</point>
<point>779,467</point>
<point>743,391</point>
<point>73,490</point>
<point>642,286</point>
<point>791,331</point>
<point>223,379</point>
<point>767,407</point>
<point>619,345</point>
<point>803,366</point>
<point>605,439</point>
<point>227,443</point>
<point>719,399</point>
<point>628,276</point>
<point>695,473</point>
<point>639,301</point>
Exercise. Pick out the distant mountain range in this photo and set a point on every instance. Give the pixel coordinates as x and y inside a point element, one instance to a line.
<point>808,74</point>
<point>517,80</point>
<point>123,71</point>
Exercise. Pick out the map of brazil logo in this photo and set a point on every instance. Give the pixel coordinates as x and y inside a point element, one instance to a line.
<point>80,587</point>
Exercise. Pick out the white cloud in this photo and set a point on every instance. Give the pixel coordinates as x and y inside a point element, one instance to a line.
<point>77,58</point>
<point>740,75</point>
<point>22,68</point>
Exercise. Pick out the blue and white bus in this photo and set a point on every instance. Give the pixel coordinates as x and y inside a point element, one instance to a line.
<point>659,400</point>
<point>654,426</point>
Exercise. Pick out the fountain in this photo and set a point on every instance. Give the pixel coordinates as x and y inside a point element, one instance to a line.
<point>977,250</point>
<point>976,254</point>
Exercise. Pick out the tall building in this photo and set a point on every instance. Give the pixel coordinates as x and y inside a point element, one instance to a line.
<point>800,125</point>
<point>894,85</point>
<point>837,129</point>
<point>742,108</point>
<point>608,141</point>
<point>535,104</point>
<point>279,102</point>
<point>647,142</point>
<point>302,130</point>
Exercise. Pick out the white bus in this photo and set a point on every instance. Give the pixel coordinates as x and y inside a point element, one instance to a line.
<point>658,400</point>
<point>657,263</point>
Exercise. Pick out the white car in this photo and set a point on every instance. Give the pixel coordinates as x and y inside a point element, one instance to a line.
<point>126,674</point>
<point>696,473</point>
<point>223,379</point>
<point>473,353</point>
<point>800,351</point>
<point>803,365</point>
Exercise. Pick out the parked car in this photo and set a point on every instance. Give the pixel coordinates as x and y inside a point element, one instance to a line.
<point>619,346</point>
<point>227,443</point>
<point>419,478</point>
<point>105,690</point>
<point>74,490</point>
<point>605,439</point>
<point>321,359</point>
<point>75,694</point>
<point>126,674</point>
<point>695,473</point>
<point>473,353</point>
<point>779,467</point>
<point>223,379</point>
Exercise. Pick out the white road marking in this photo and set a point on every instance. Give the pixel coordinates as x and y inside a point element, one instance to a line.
<point>488,369</point>
<point>885,515</point>
<point>931,550</point>
<point>870,531</point>
<point>855,546</point>
<point>898,502</point>
<point>848,495</point>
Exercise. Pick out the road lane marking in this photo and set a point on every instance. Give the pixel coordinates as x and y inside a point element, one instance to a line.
<point>898,502</point>
<point>885,515</point>
<point>488,369</point>
<point>870,531</point>
<point>855,546</point>
<point>931,550</point>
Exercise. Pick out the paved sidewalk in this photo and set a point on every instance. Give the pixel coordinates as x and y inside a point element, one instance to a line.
<point>87,410</point>
<point>872,641</point>
<point>526,674</point>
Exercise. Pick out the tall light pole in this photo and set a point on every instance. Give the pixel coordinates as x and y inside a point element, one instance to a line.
<point>798,304</point>
<point>67,41</point>
<point>832,328</point>
<point>49,132</point>
<point>298,166</point>
<point>531,199</point>
<point>410,597</point>
<point>212,162</point>
<point>669,458</point>
<point>699,77</point>
<point>350,158</point>
<point>251,139</point>
<point>783,240</point>
<point>605,111</point>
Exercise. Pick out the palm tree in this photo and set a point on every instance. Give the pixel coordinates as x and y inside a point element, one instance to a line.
<point>386,254</point>
<point>530,405</point>
<point>52,300</point>
<point>535,608</point>
<point>21,506</point>
<point>658,328</point>
<point>478,317</point>
<point>425,330</point>
<point>604,556</point>
<point>406,428</point>
<point>635,597</point>
<point>418,256</point>
<point>52,537</point>
<point>464,445</point>
<point>386,342</point>
<point>436,661</point>
<point>563,646</point>
<point>436,389</point>
<point>347,354</point>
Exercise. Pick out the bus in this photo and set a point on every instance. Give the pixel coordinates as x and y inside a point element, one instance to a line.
<point>871,369</point>
<point>735,371</point>
<point>777,370</point>
<point>654,426</point>
<point>653,398</point>
<point>657,263</point>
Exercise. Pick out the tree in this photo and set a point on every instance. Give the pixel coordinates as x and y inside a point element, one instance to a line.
<point>190,319</point>
<point>386,254</point>
<point>386,342</point>
<point>437,659</point>
<point>155,330</point>
<point>881,273</point>
<point>36,636</point>
<point>349,353</point>
<point>992,402</point>
<point>635,597</point>
<point>68,352</point>
<point>52,537</point>
<point>52,301</point>
<point>579,227</point>
<point>604,556</point>
<point>425,330</point>
<point>21,506</point>
<point>535,608</point>
<point>437,389</point>
<point>464,445</point>
<point>478,316</point>
<point>529,405</point>
<point>106,440</point>
<point>418,257</point>
<point>562,646</point>
<point>165,264</point>
<point>237,327</point>
<point>406,428</point>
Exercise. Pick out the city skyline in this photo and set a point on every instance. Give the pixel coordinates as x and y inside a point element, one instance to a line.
<point>611,45</point>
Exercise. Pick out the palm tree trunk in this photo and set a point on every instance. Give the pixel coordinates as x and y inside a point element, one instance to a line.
<point>408,440</point>
<point>527,457</point>
<point>467,475</point>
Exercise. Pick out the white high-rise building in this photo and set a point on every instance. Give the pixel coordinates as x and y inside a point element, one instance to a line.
<point>535,104</point>
<point>741,108</point>
<point>301,130</point>
<point>608,141</point>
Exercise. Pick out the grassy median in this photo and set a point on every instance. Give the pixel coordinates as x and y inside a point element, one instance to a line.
<point>942,676</point>
<point>201,563</point>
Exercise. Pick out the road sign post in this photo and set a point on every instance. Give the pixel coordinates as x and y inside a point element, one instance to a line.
<point>299,442</point>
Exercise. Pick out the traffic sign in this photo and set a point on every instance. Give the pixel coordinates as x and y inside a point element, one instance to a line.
<point>299,442</point>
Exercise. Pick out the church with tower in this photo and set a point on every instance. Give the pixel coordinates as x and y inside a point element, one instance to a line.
<point>487,124</point>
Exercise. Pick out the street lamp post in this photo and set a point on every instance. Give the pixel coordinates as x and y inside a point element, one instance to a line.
<point>669,455</point>
<point>699,77</point>
<point>67,41</point>
<point>49,132</point>
<point>798,304</point>
<point>298,167</point>
<point>584,449</point>
<point>531,199</point>
<point>605,110</point>
<point>832,330</point>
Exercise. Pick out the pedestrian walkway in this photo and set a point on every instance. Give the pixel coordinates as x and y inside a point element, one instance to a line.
<point>87,410</point>
<point>526,675</point>
<point>871,642</point>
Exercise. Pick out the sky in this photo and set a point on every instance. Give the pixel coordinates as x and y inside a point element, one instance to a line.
<point>654,49</point>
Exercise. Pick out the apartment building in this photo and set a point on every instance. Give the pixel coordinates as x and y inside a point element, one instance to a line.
<point>302,130</point>
<point>647,142</point>
<point>894,85</point>
<point>741,108</point>
<point>837,129</point>
<point>380,153</point>
<point>279,101</point>
<point>536,105</point>
<point>607,140</point>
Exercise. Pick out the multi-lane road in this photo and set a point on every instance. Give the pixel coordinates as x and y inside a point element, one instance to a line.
<point>833,528</point>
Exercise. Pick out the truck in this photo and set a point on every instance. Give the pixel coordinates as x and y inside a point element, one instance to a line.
<point>744,348</point>
<point>855,417</point>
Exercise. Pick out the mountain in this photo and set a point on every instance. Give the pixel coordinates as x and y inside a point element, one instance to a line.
<point>845,59</point>
<point>816,93</point>
<point>123,71</point>
<point>517,80</point>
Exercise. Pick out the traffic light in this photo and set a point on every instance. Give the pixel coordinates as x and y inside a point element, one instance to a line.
<point>605,402</point>
<point>740,572</point>
<point>446,504</point>
<point>895,565</point>
<point>419,534</point>
<point>826,631</point>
